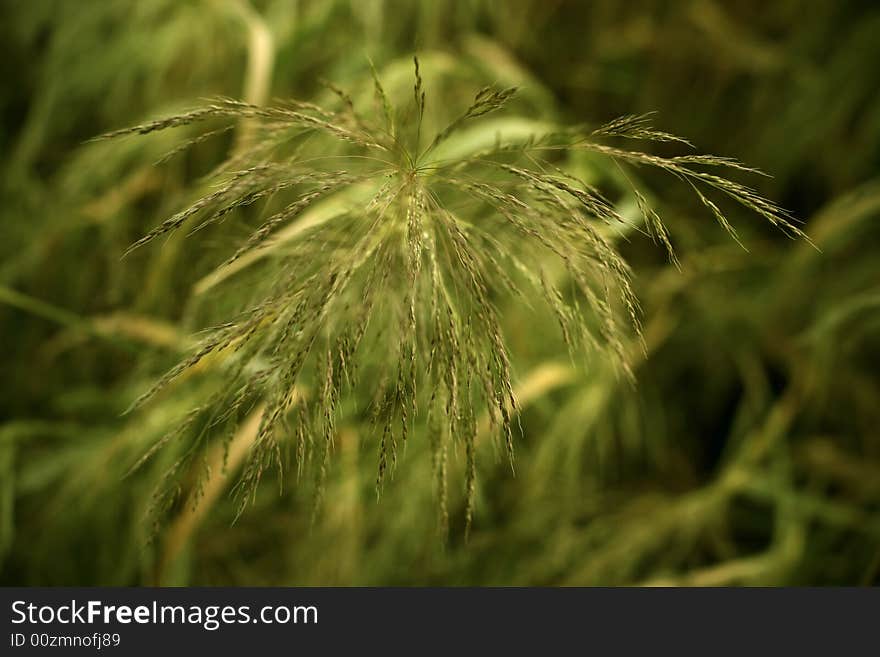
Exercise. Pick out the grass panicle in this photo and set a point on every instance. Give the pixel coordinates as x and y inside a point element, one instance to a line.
<point>370,246</point>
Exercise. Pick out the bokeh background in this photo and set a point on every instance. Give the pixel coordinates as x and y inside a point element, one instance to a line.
<point>748,452</point>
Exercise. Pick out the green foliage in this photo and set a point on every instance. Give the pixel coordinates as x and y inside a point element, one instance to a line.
<point>352,319</point>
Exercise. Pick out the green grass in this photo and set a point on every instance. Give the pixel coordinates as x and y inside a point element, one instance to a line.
<point>679,409</point>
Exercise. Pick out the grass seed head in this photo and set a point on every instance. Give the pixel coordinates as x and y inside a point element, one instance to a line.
<point>381,256</point>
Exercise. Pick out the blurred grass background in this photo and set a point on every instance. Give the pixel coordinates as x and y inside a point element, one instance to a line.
<point>747,453</point>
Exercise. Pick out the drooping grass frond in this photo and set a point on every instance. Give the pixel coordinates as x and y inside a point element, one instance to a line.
<point>635,126</point>
<point>371,252</point>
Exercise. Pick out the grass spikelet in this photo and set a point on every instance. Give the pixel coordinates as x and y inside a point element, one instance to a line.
<point>636,126</point>
<point>419,102</point>
<point>384,105</point>
<point>487,100</point>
